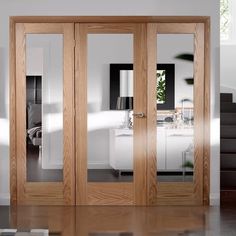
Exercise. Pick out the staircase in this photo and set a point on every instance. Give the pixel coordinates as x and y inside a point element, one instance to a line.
<point>227,149</point>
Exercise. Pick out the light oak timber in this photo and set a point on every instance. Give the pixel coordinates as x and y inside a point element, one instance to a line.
<point>68,115</point>
<point>81,113</point>
<point>20,111</point>
<point>13,160</point>
<point>109,28</point>
<point>198,112</point>
<point>140,124</point>
<point>43,194</point>
<point>151,115</point>
<point>176,28</point>
<point>110,19</point>
<point>110,194</point>
<point>176,194</point>
<point>44,28</point>
<point>207,118</point>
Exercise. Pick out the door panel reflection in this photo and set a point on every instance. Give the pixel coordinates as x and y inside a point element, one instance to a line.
<point>175,124</point>
<point>44,107</point>
<point>119,221</point>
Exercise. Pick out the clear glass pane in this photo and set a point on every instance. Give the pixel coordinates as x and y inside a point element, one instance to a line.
<point>44,107</point>
<point>175,110</point>
<point>110,104</point>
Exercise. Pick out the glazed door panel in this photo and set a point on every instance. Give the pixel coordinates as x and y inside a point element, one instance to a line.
<point>110,134</point>
<point>44,112</point>
<point>179,48</point>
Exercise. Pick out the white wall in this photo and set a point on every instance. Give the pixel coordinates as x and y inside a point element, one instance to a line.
<point>169,46</point>
<point>107,7</point>
<point>228,69</point>
<point>103,50</point>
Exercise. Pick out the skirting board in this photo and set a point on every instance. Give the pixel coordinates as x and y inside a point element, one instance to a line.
<point>52,166</point>
<point>214,199</point>
<point>4,199</point>
<point>98,165</point>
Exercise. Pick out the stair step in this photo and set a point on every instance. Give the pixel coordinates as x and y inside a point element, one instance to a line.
<point>227,107</point>
<point>227,196</point>
<point>227,179</point>
<point>227,160</point>
<point>226,97</point>
<point>228,169</point>
<point>228,149</point>
<point>228,118</point>
<point>228,131</point>
<point>227,145</point>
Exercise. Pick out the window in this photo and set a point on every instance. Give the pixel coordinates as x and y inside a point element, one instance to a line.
<point>224,19</point>
<point>227,21</point>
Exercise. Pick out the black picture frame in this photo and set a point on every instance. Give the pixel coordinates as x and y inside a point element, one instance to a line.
<point>170,84</point>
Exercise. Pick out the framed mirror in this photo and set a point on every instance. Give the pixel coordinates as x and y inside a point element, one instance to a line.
<point>165,84</point>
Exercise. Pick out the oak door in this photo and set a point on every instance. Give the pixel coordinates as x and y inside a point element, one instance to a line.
<point>111,135</point>
<point>45,114</point>
<point>176,108</point>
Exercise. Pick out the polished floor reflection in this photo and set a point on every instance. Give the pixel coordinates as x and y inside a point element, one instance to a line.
<point>122,221</point>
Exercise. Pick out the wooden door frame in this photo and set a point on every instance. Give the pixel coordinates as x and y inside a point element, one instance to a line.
<point>109,19</point>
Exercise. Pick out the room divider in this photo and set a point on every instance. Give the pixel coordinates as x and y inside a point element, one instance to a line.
<point>110,110</point>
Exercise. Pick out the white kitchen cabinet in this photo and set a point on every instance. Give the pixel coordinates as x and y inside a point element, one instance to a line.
<point>161,148</point>
<point>171,143</point>
<point>177,141</point>
<point>121,149</point>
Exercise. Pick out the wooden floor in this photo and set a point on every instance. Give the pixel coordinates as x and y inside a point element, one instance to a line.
<point>122,221</point>
<point>35,173</point>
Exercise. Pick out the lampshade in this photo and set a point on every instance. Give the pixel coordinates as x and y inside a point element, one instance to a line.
<point>124,103</point>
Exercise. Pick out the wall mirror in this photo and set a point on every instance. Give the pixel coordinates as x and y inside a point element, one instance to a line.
<point>121,74</point>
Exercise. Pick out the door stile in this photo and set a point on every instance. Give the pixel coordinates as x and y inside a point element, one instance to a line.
<point>81,113</point>
<point>151,115</point>
<point>140,105</point>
